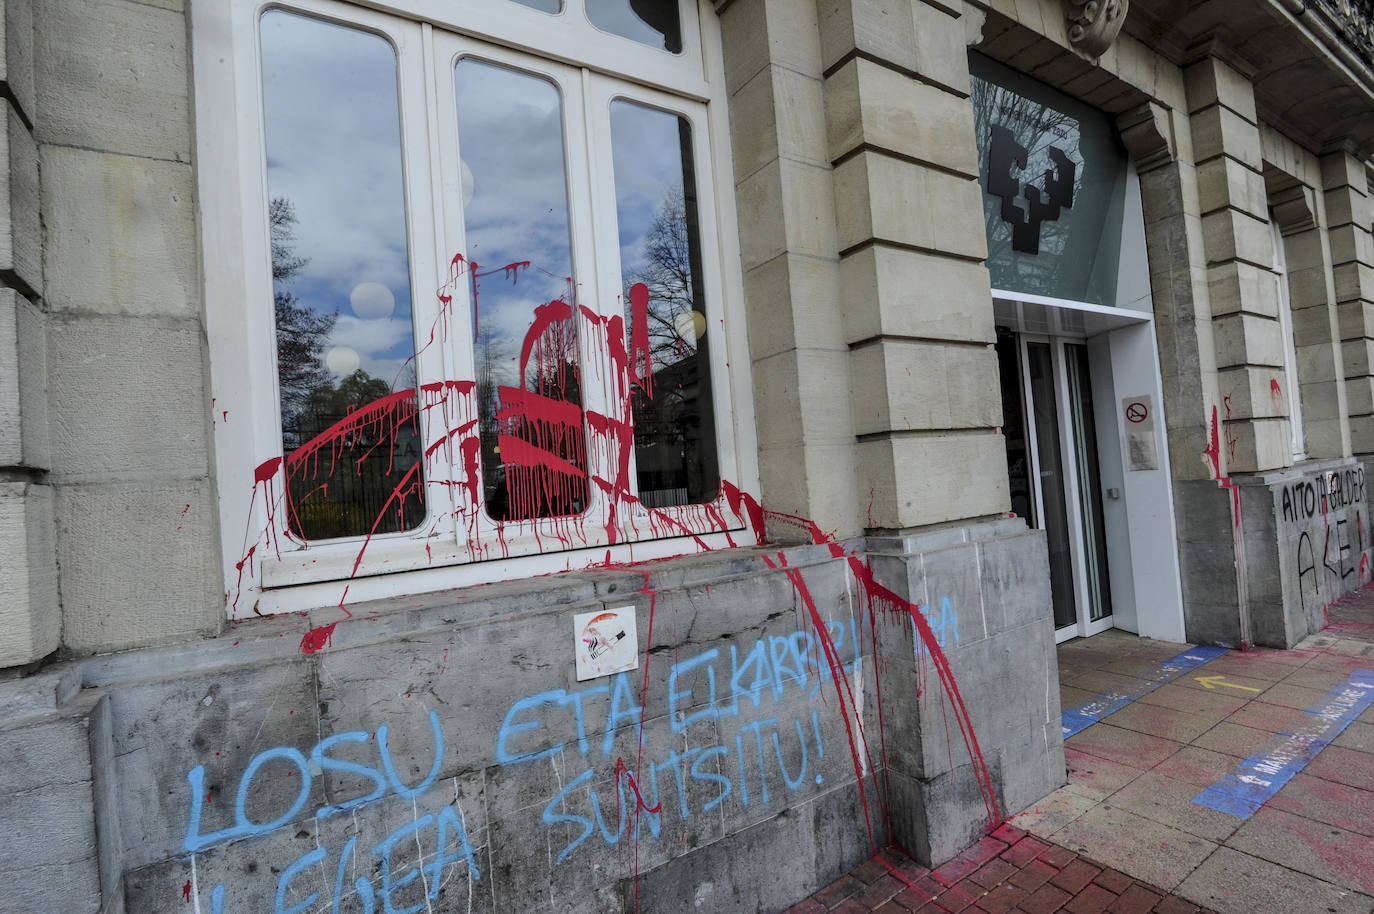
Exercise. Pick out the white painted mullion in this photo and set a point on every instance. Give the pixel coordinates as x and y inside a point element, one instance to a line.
<point>1032,429</point>
<point>1068,461</point>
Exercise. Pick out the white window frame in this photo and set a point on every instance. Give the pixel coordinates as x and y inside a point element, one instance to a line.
<point>266,571</point>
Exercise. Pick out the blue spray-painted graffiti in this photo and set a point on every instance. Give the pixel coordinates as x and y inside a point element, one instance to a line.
<point>448,839</point>
<point>944,623</point>
<point>720,689</point>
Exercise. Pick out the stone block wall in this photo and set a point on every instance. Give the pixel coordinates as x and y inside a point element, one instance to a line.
<point>1307,543</point>
<point>29,617</point>
<point>126,397</point>
<point>445,749</point>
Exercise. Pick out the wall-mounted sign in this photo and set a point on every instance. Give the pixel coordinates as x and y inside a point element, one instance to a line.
<point>1054,177</point>
<point>606,642</point>
<point>1141,451</point>
<point>1007,158</point>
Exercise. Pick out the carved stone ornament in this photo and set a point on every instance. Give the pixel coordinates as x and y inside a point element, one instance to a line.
<point>1094,24</point>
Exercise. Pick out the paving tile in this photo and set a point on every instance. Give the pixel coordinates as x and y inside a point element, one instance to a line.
<point>878,891</point>
<point>993,872</point>
<point>1024,851</point>
<point>1008,833</point>
<point>1170,802</point>
<point>1095,776</point>
<point>955,899</point>
<point>1263,716</point>
<point>913,899</point>
<point>868,871</point>
<point>1197,766</point>
<point>1315,848</point>
<point>1197,679</point>
<point>1194,701</point>
<point>1232,882</point>
<point>956,869</point>
<point>1135,900</point>
<point>1092,900</point>
<point>1076,876</point>
<point>890,907</point>
<point>1054,812</point>
<point>850,906</point>
<point>1151,852</point>
<point>1346,766</point>
<point>1113,881</point>
<point>1250,665</point>
<point>1002,899</point>
<point>1169,723</point>
<point>1359,648</point>
<point>838,890</point>
<point>1326,801</point>
<point>1044,900</point>
<point>1173,904</point>
<point>1146,668</point>
<point>1125,747</point>
<point>1233,739</point>
<point>1071,696</point>
<point>1357,736</point>
<point>1058,857</point>
<point>986,849</point>
<point>1326,671</point>
<point>1100,681</point>
<point>1033,875</point>
<point>1289,695</point>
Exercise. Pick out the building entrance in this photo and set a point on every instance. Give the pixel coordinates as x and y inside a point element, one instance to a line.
<point>1054,474</point>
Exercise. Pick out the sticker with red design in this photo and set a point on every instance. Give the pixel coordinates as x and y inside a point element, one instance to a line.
<point>606,642</point>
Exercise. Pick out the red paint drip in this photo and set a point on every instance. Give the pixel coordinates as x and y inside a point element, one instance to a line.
<point>317,639</point>
<point>186,891</point>
<point>1213,456</point>
<point>639,339</point>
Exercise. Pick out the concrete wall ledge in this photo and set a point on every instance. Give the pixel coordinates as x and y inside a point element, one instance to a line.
<point>215,763</point>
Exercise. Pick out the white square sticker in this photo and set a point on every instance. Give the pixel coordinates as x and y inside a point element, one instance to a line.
<point>606,642</point>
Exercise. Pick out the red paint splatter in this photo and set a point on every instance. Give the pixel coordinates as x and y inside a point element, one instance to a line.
<point>186,891</point>
<point>1213,456</point>
<point>317,639</point>
<point>639,338</point>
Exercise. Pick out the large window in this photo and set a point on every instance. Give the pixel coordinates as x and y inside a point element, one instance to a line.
<point>466,286</point>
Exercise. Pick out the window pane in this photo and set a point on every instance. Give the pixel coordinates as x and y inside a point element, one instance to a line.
<point>515,211</point>
<point>341,279</point>
<point>547,6</point>
<point>660,258</point>
<point>1053,177</point>
<point>651,22</point>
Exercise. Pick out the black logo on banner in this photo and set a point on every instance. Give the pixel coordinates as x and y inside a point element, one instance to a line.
<point>1004,153</point>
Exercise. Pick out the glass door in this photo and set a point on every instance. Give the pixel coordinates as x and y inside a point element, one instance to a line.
<point>1053,467</point>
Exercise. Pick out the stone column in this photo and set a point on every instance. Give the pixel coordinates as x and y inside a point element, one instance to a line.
<point>30,620</point>
<point>1239,253</point>
<point>917,307</point>
<point>1320,380</point>
<point>137,527</point>
<point>791,263</point>
<point>1349,214</point>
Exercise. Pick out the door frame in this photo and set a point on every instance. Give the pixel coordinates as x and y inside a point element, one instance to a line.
<point>1082,626</point>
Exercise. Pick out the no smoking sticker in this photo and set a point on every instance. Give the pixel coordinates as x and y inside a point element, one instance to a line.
<point>1141,450</point>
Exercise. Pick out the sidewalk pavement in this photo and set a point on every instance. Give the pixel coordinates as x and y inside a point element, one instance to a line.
<point>1129,807</point>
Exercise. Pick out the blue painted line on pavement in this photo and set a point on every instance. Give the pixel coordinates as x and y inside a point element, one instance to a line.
<point>1260,776</point>
<point>1076,720</point>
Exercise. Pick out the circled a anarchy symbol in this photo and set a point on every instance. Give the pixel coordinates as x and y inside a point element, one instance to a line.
<point>1136,412</point>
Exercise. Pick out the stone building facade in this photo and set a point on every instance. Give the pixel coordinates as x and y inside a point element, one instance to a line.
<point>679,436</point>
